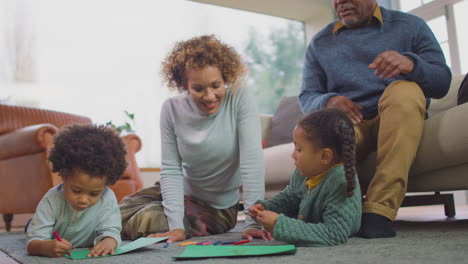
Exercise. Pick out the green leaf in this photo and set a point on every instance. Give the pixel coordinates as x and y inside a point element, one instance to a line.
<point>125,127</point>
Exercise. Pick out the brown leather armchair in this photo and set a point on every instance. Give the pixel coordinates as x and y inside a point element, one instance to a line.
<point>25,136</point>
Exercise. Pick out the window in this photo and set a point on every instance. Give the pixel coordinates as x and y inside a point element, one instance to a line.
<point>461,23</point>
<point>446,18</point>
<point>99,58</point>
<point>408,5</point>
<point>439,27</point>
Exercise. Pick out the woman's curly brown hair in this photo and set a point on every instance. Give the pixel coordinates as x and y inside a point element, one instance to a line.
<point>197,53</point>
<point>96,150</point>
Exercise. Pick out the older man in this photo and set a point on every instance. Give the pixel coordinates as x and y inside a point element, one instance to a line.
<point>380,67</point>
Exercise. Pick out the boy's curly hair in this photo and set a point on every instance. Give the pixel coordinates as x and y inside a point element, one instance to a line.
<point>197,53</point>
<point>96,150</point>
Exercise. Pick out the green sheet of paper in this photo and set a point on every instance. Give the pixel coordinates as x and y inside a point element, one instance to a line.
<point>139,243</point>
<point>195,251</point>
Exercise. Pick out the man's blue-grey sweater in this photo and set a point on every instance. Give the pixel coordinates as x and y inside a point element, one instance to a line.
<point>337,63</point>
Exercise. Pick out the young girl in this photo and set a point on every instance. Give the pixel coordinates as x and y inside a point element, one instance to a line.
<point>82,209</point>
<point>322,204</point>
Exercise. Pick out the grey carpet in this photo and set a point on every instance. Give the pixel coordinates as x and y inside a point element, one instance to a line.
<point>416,242</point>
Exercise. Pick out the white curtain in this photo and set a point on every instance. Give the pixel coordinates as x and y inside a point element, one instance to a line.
<point>16,42</point>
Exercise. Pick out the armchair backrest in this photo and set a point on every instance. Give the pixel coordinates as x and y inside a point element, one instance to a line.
<point>15,117</point>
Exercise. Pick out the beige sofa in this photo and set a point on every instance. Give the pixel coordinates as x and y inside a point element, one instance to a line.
<point>441,163</point>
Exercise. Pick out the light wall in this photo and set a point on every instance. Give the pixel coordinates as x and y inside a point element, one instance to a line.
<point>149,177</point>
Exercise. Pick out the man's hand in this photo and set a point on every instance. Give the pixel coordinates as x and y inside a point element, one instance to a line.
<point>267,219</point>
<point>350,108</point>
<point>389,64</point>
<point>175,235</point>
<point>103,248</point>
<point>256,233</point>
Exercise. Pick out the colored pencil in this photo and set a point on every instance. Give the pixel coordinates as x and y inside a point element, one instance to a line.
<point>56,235</point>
<point>241,242</point>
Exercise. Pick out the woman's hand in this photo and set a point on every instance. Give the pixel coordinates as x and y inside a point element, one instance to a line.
<point>256,233</point>
<point>103,248</point>
<point>254,209</point>
<point>267,219</point>
<point>175,235</point>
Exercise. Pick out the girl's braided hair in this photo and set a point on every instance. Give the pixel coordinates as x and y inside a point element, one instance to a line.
<point>331,128</point>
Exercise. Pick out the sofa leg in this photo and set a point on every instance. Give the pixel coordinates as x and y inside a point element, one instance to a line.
<point>436,198</point>
<point>7,218</point>
<point>449,206</point>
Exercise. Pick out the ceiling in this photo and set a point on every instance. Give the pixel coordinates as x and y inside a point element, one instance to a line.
<point>300,10</point>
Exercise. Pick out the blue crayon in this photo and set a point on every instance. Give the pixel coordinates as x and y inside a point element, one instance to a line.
<point>227,243</point>
<point>217,242</point>
<point>166,245</point>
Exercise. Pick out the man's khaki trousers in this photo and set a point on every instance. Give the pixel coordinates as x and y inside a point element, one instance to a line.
<point>395,134</point>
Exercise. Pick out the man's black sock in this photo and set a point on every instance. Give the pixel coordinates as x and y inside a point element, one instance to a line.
<point>375,226</point>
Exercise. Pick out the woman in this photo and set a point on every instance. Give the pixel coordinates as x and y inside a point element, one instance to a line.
<point>210,138</point>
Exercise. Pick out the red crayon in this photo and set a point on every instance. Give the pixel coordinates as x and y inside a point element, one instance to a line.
<point>241,242</point>
<point>56,235</point>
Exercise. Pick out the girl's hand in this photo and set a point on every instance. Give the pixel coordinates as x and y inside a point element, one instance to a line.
<point>175,235</point>
<point>254,209</point>
<point>256,233</point>
<point>103,248</point>
<point>267,219</point>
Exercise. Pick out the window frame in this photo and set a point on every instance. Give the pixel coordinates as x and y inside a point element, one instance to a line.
<point>436,9</point>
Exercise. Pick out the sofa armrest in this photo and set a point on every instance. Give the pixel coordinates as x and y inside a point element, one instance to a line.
<point>438,106</point>
<point>279,166</point>
<point>27,140</point>
<point>444,142</point>
<point>265,123</point>
<point>133,144</point>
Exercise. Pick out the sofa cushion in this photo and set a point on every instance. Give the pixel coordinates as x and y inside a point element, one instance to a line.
<point>463,92</point>
<point>283,122</point>
<point>450,100</point>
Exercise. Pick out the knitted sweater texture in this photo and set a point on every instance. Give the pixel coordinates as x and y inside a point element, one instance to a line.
<point>323,216</point>
<point>338,63</point>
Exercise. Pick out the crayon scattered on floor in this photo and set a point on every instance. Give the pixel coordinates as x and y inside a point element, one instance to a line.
<point>186,243</point>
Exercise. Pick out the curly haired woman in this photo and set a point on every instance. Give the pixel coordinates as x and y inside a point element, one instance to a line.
<point>211,142</point>
<point>82,209</point>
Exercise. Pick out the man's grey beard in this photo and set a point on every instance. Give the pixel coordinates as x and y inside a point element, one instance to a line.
<point>352,22</point>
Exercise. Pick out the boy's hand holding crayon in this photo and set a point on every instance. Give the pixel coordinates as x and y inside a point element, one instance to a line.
<point>50,248</point>
<point>103,248</point>
<point>58,248</point>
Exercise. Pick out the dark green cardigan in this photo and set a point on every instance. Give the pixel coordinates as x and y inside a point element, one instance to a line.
<point>323,216</point>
